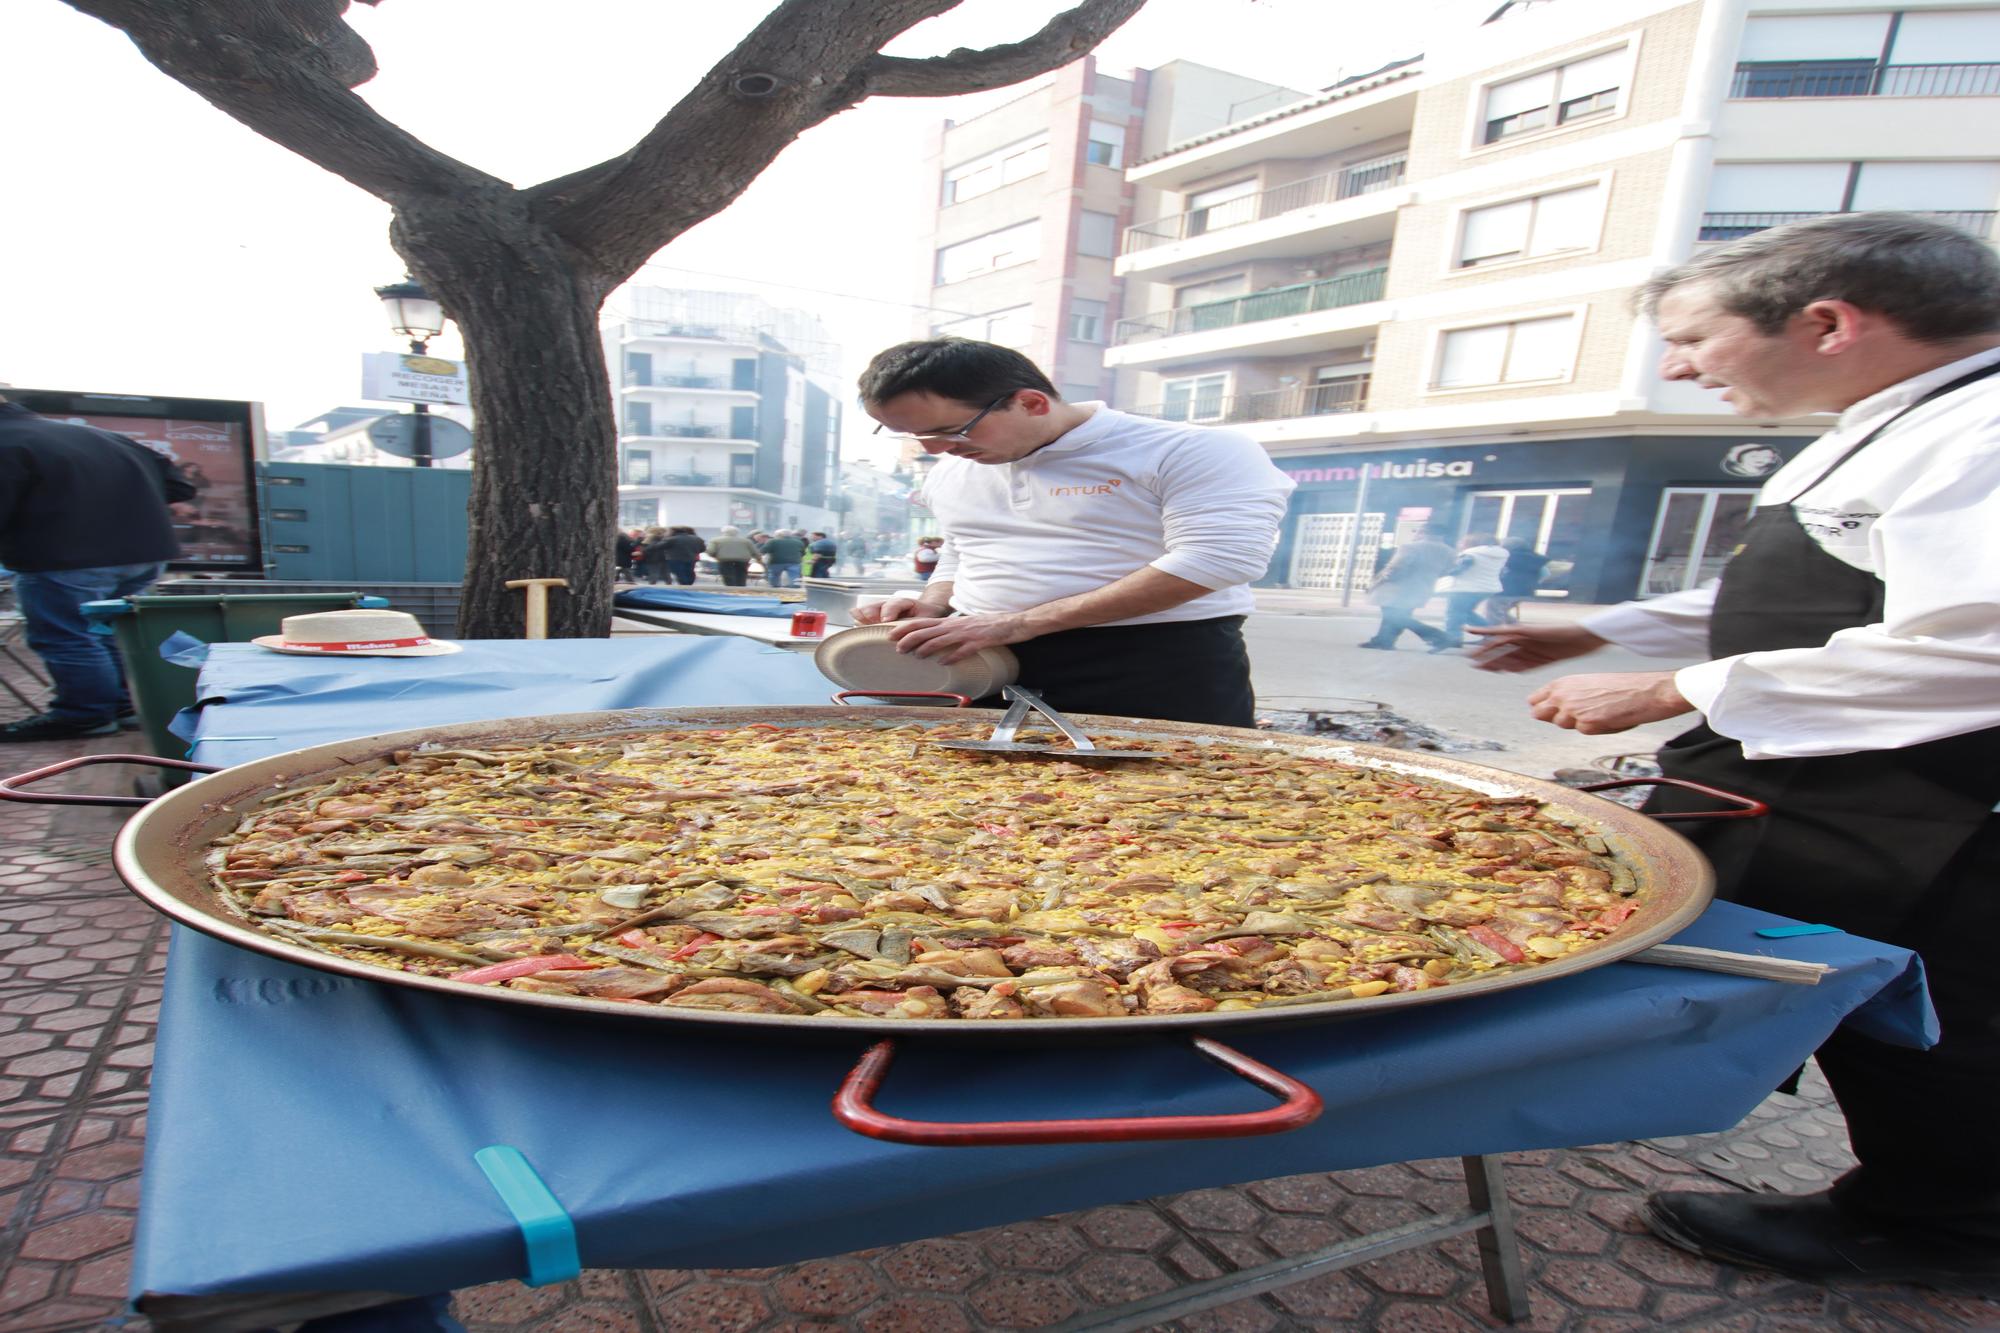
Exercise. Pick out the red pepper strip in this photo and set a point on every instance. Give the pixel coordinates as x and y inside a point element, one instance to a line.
<point>350,877</point>
<point>762,726</point>
<point>1611,916</point>
<point>693,946</point>
<point>1498,943</point>
<point>635,939</point>
<point>521,967</point>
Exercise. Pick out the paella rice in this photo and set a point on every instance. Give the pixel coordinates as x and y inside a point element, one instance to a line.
<point>865,871</point>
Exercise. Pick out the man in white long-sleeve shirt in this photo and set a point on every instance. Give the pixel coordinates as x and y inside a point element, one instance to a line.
<point>1113,553</point>
<point>1854,685</point>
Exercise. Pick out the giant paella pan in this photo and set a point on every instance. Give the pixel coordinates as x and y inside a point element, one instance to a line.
<point>843,870</point>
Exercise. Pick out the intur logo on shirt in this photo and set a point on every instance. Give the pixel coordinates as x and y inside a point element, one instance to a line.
<point>1103,488</point>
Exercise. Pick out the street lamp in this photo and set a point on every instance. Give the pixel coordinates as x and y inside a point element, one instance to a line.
<point>414,314</point>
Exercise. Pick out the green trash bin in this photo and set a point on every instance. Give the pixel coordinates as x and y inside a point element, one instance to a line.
<point>161,688</point>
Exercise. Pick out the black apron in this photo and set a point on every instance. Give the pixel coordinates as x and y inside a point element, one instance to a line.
<point>1853,840</point>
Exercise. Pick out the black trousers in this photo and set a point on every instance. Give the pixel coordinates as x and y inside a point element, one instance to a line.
<point>1181,671</point>
<point>1923,1122</point>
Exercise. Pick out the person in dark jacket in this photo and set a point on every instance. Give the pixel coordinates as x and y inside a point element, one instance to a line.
<point>682,548</point>
<point>823,552</point>
<point>1519,578</point>
<point>625,549</point>
<point>783,554</point>
<point>83,518</point>
<point>650,561</point>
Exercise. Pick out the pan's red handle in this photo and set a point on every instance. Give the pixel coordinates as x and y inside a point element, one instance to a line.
<point>1300,1106</point>
<point>1749,808</point>
<point>964,700</point>
<point>10,788</point>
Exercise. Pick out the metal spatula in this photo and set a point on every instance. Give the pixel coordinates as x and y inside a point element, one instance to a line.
<point>1024,701</point>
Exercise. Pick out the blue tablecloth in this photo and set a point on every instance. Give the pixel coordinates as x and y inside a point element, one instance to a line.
<point>313,1132</point>
<point>660,597</point>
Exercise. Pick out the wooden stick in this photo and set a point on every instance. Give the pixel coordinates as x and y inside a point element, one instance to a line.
<point>538,603</point>
<point>1737,964</point>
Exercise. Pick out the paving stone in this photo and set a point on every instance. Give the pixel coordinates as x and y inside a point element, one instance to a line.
<point>1410,1317</point>
<point>78,1237</point>
<point>1112,1279</point>
<point>1023,1300</point>
<point>1314,1194</point>
<point>505,1303</point>
<point>1237,1317</point>
<point>1216,1210</point>
<point>590,1318</point>
<point>1193,1263</point>
<point>1289,1236</point>
<point>1042,1246</point>
<point>1123,1228</point>
<point>26,1284</point>
<point>943,1264</point>
<point>1595,1284</point>
<point>1411,1273</point>
<point>711,1307</point>
<point>1335,1296</point>
<point>915,1314</point>
<point>827,1287</point>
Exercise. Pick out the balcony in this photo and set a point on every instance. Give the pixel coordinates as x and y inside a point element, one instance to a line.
<point>1277,303</point>
<point>634,380</point>
<point>1735,226</point>
<point>1348,183</point>
<point>1330,398</point>
<point>1862,78</point>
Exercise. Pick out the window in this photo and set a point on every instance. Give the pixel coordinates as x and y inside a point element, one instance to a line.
<point>1019,244</point>
<point>1012,327</point>
<point>638,418</point>
<point>1214,289</point>
<point>1197,398</point>
<point>1097,235</point>
<point>1106,146</point>
<point>1086,321</point>
<point>1521,352</point>
<point>1559,96</point>
<point>1547,224</point>
<point>969,180</point>
<point>1224,206</point>
<point>639,513</point>
<point>639,467</point>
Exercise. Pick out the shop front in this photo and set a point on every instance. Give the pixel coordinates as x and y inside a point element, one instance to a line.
<point>1618,516</point>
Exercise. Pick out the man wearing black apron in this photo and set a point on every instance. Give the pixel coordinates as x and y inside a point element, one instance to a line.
<point>1855,687</point>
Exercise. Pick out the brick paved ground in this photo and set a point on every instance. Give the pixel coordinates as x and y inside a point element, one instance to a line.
<point>80,964</point>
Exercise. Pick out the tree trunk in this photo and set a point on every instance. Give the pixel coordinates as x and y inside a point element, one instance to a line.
<point>545,476</point>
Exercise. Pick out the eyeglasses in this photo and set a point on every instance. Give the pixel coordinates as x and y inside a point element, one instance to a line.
<point>952,436</point>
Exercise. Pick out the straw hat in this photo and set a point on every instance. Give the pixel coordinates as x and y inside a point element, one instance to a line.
<point>863,658</point>
<point>354,634</point>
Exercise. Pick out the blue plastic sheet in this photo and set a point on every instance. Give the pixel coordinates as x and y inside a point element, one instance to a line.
<point>310,1132</point>
<point>663,598</point>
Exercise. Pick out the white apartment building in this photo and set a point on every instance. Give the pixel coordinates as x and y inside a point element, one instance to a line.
<point>1031,198</point>
<point>1415,287</point>
<point>728,411</point>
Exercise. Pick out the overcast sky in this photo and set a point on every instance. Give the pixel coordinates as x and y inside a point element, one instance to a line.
<point>153,245</point>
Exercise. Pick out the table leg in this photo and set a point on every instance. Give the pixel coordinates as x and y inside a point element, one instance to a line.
<point>1491,1216</point>
<point>1499,1247</point>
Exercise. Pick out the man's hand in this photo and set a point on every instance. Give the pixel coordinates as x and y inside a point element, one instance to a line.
<point>958,638</point>
<point>1525,647</point>
<point>1616,701</point>
<point>896,608</point>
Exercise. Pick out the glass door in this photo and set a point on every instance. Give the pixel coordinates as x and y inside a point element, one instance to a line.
<point>1551,521</point>
<point>1696,531</point>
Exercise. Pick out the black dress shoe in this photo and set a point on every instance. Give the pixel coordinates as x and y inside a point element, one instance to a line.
<point>1810,1237</point>
<point>49,727</point>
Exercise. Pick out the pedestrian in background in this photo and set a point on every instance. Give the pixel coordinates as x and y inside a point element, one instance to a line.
<point>1474,578</point>
<point>1853,643</point>
<point>824,552</point>
<point>733,553</point>
<point>926,557</point>
<point>1404,585</point>
<point>625,551</point>
<point>652,559</point>
<point>783,555</point>
<point>83,518</point>
<point>682,548</point>
<point>1519,578</point>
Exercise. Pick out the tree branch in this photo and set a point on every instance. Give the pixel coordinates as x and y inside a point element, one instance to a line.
<point>806,62</point>
<point>287,70</point>
<point>1068,36</point>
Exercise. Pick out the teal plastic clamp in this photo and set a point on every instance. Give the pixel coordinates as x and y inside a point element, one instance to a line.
<point>373,603</point>
<point>1786,932</point>
<point>547,1230</point>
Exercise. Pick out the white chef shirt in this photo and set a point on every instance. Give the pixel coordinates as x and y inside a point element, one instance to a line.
<point>1117,493</point>
<point>1920,509</point>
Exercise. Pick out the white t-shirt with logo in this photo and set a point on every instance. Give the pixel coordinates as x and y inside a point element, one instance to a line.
<point>1116,494</point>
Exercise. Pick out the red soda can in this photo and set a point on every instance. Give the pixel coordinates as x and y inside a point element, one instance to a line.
<point>808,624</point>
